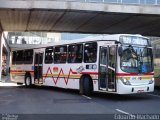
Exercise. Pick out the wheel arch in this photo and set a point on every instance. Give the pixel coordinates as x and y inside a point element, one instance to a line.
<point>28,74</point>
<point>90,81</point>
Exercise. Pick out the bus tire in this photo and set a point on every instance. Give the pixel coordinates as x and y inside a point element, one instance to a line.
<point>86,86</point>
<point>28,81</point>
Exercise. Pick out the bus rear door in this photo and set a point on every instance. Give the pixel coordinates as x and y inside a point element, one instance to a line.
<point>38,68</point>
<point>107,68</point>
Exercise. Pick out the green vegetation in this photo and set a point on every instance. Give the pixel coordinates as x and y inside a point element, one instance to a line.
<point>156,71</point>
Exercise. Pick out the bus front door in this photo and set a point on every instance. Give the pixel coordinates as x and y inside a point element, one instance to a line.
<point>38,68</point>
<point>107,63</point>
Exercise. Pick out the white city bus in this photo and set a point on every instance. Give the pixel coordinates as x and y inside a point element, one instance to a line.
<point>121,64</point>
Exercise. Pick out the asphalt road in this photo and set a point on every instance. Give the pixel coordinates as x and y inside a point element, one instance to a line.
<point>46,101</point>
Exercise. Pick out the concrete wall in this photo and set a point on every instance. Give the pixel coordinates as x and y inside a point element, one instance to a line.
<point>0,51</point>
<point>79,17</point>
<point>63,5</point>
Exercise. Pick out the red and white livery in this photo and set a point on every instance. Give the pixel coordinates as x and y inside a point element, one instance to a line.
<point>120,64</point>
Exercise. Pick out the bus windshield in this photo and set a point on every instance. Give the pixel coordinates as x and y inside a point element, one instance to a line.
<point>136,59</point>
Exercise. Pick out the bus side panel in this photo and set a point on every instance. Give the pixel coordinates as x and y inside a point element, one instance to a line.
<point>66,75</point>
<point>61,75</point>
<point>17,73</point>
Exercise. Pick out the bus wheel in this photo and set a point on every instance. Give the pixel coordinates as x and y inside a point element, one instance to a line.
<point>28,81</point>
<point>85,86</point>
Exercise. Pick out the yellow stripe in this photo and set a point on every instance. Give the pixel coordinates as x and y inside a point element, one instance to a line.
<point>145,77</point>
<point>18,73</point>
<point>138,77</point>
<point>56,75</point>
<point>127,78</point>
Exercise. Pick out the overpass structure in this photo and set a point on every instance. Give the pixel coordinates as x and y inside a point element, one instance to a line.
<point>80,16</point>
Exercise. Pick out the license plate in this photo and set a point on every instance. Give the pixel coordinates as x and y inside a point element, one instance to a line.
<point>140,91</point>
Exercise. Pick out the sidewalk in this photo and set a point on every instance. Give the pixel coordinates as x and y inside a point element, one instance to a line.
<point>5,81</point>
<point>5,78</point>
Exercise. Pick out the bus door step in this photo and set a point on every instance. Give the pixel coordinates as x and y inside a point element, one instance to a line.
<point>111,90</point>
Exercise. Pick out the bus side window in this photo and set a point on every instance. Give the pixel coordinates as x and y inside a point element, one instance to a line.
<point>20,57</point>
<point>112,56</point>
<point>49,53</point>
<point>60,55</point>
<point>14,53</point>
<point>28,55</point>
<point>75,53</point>
<point>90,52</point>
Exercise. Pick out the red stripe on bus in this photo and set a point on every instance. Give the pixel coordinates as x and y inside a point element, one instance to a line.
<point>93,73</point>
<point>20,71</point>
<point>125,74</point>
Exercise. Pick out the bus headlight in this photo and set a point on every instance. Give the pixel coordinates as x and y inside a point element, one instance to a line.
<point>125,81</point>
<point>151,81</point>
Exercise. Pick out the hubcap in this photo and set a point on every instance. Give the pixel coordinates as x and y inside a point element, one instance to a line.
<point>27,81</point>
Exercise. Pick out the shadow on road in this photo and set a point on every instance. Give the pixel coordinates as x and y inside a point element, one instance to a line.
<point>50,88</point>
<point>128,97</point>
<point>157,88</point>
<point>107,96</point>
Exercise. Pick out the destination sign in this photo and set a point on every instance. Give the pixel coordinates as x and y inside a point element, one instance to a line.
<point>133,40</point>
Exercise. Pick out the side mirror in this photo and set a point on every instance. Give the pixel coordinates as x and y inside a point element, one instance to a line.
<point>120,51</point>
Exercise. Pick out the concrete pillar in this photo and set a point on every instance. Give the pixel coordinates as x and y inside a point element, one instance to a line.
<point>1,31</point>
<point>7,48</point>
<point>0,54</point>
<point>4,48</point>
<point>8,62</point>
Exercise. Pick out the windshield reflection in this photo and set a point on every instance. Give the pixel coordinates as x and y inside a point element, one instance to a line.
<point>136,59</point>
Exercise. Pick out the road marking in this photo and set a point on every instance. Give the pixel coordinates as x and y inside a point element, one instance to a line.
<point>8,84</point>
<point>87,97</point>
<point>154,95</point>
<point>121,111</point>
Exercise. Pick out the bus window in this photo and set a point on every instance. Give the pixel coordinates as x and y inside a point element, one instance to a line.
<point>90,52</point>
<point>136,59</point>
<point>75,53</point>
<point>49,55</point>
<point>19,57</point>
<point>14,57</point>
<point>28,55</point>
<point>112,56</point>
<point>60,54</point>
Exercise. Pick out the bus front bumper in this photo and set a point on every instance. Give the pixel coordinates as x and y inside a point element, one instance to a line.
<point>130,89</point>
